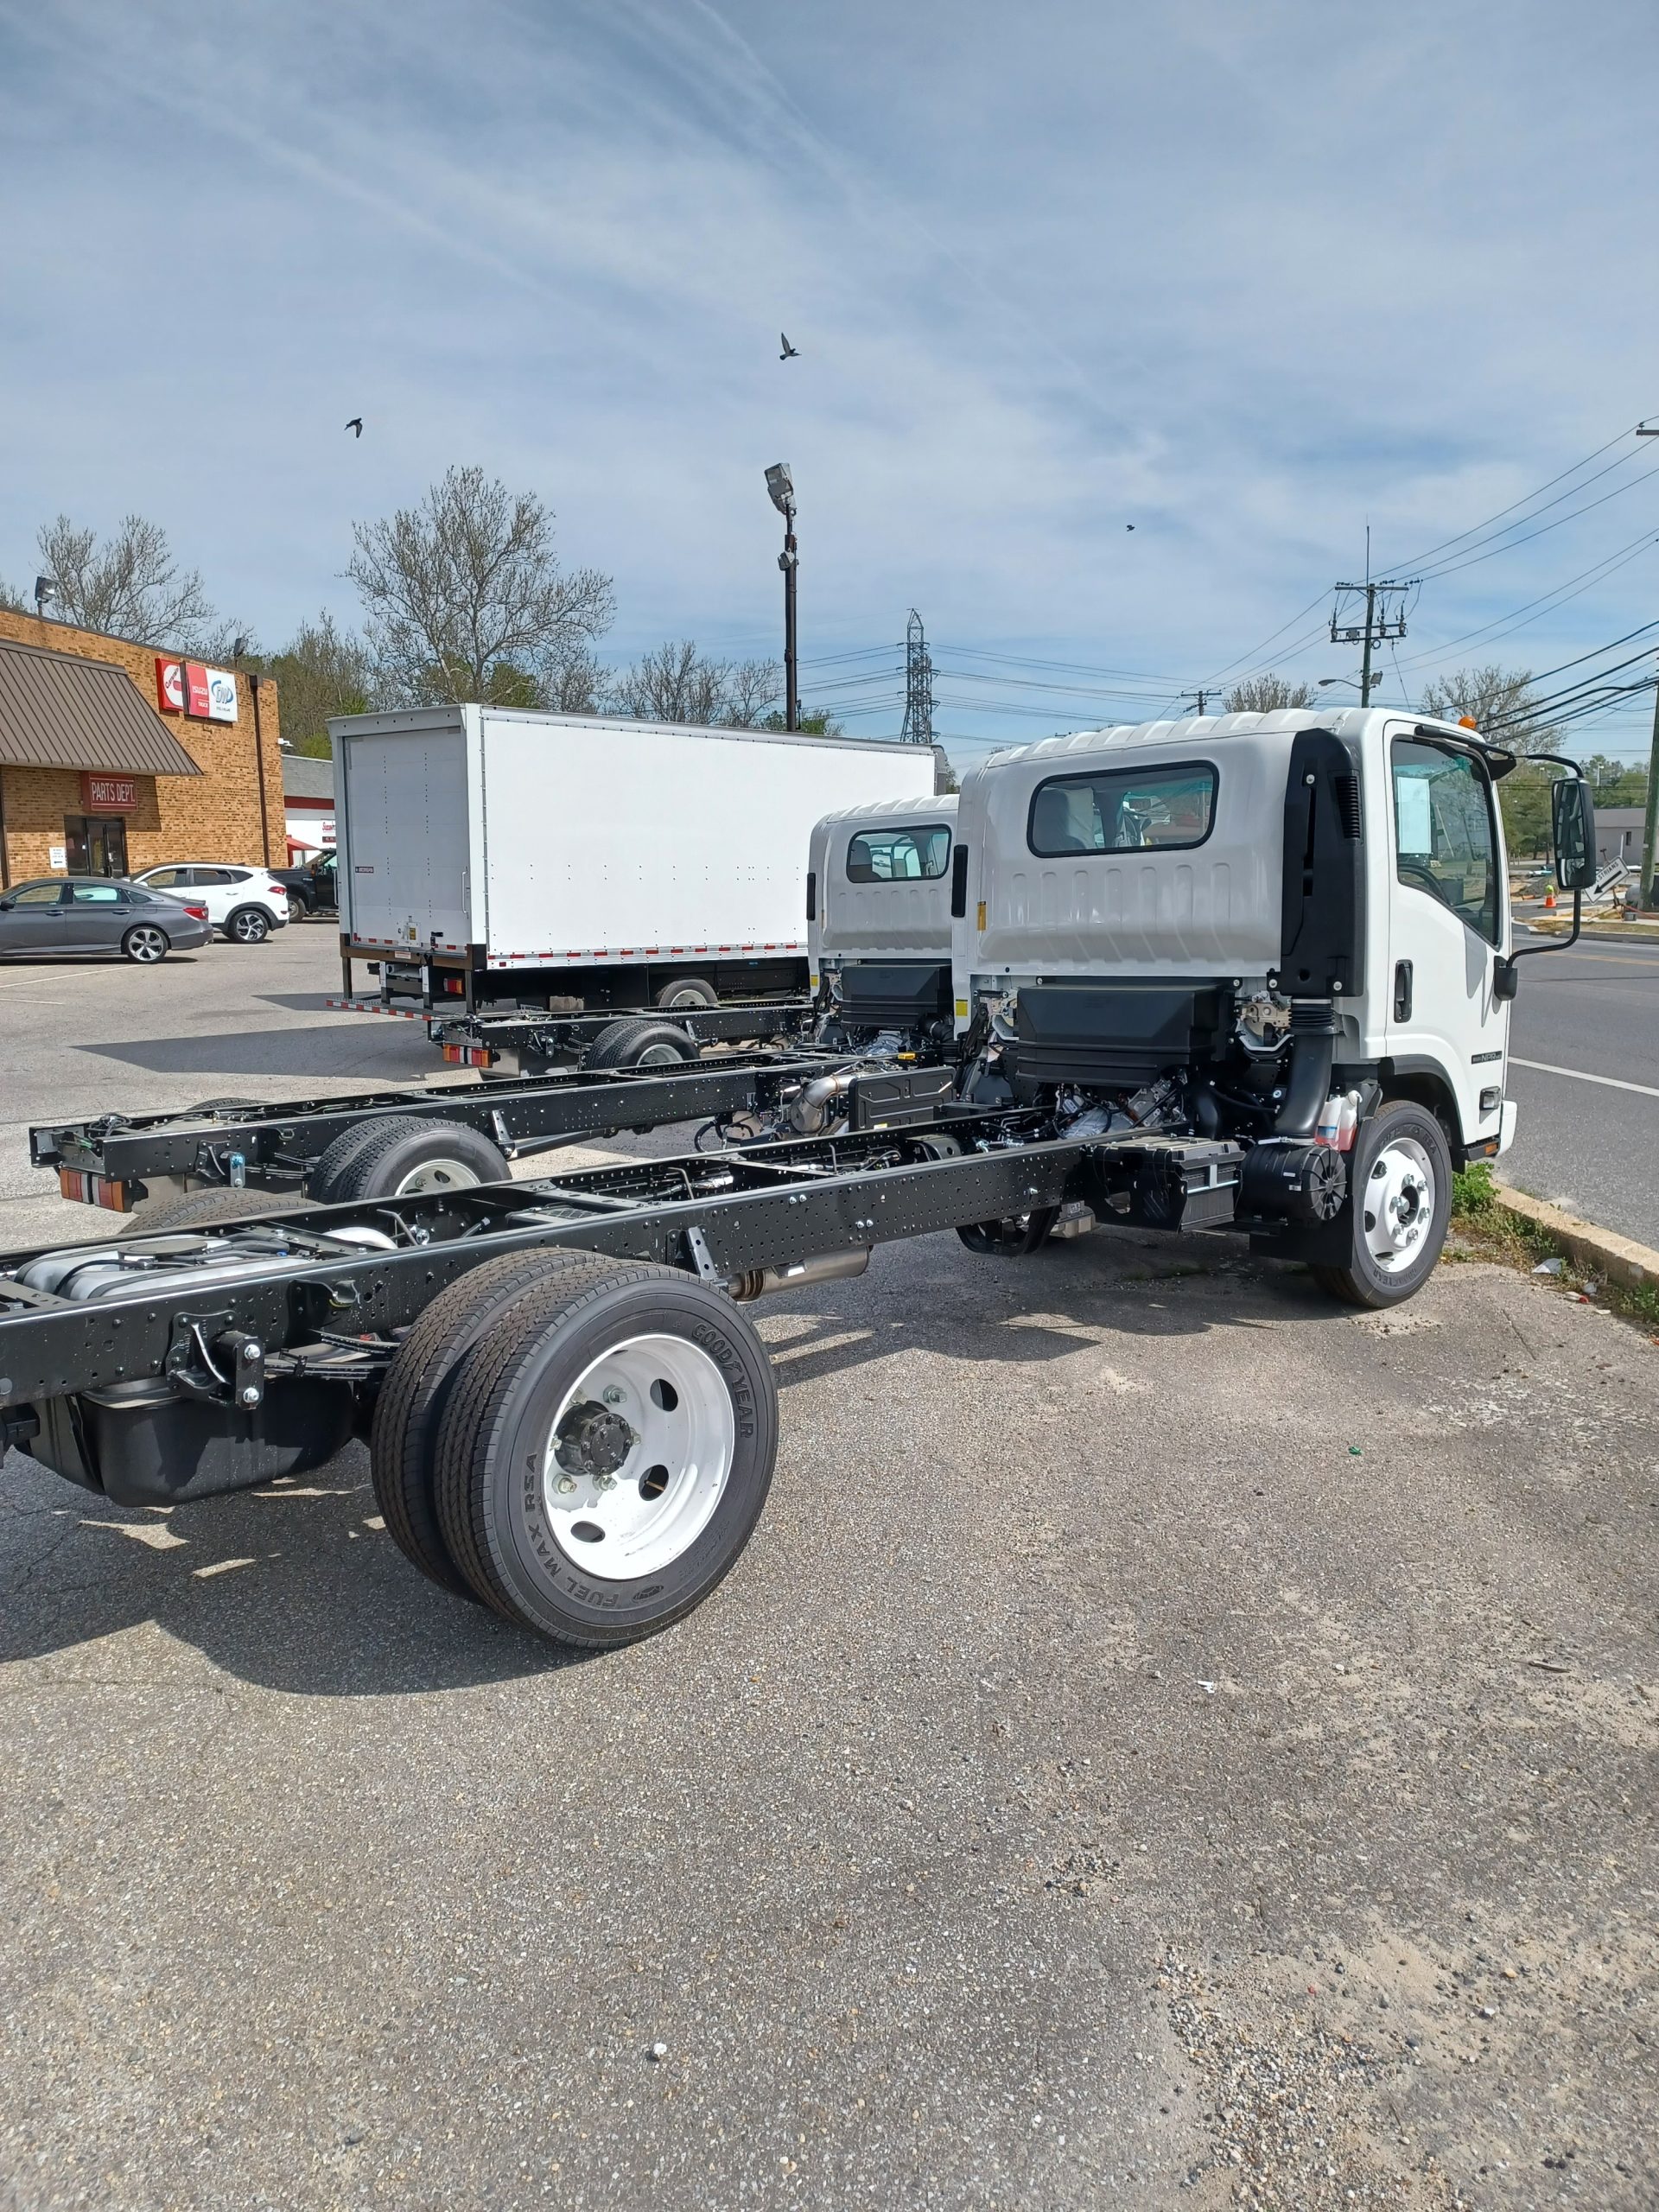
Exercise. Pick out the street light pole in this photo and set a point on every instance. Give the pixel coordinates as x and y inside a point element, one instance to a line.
<point>1648,891</point>
<point>782,489</point>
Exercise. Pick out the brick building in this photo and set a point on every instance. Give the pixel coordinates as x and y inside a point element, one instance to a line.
<point>115,757</point>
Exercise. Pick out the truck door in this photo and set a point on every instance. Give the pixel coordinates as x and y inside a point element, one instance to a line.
<point>406,808</point>
<point>1448,913</point>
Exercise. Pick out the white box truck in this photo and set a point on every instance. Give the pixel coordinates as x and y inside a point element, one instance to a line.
<point>488,856</point>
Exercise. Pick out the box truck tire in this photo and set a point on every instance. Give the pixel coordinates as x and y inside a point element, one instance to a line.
<point>606,1453</point>
<point>217,1203</point>
<point>688,991</point>
<point>1400,1203</point>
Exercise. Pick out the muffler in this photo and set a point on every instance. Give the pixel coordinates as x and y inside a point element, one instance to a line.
<point>823,1266</point>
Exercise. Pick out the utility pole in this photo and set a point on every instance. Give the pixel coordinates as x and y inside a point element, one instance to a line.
<point>919,685</point>
<point>781,490</point>
<point>1385,618</point>
<point>1648,891</point>
<point>1199,698</point>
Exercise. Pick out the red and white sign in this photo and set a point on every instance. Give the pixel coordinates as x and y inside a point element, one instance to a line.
<point>108,794</point>
<point>187,687</point>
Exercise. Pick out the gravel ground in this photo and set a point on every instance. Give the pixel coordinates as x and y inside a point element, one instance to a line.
<point>1170,1743</point>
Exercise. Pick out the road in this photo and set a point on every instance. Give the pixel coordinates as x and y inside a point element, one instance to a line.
<point>1590,1145</point>
<point>1167,1735</point>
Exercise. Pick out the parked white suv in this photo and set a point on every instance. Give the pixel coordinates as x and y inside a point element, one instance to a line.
<point>244,903</point>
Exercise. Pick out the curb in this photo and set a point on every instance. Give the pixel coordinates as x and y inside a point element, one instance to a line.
<point>1632,932</point>
<point>1619,1258</point>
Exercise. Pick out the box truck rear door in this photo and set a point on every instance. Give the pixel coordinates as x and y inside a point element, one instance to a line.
<point>406,809</point>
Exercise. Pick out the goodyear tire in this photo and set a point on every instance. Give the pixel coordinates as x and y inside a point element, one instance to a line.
<point>406,1156</point>
<point>606,1452</point>
<point>639,1043</point>
<point>1399,1205</point>
<point>402,1441</point>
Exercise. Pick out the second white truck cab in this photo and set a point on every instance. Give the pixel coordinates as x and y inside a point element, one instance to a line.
<point>879,918</point>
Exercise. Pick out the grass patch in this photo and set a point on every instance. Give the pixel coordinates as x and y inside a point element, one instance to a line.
<point>1483,1228</point>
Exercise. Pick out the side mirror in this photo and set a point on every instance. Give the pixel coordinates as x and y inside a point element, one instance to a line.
<point>1573,832</point>
<point>1506,980</point>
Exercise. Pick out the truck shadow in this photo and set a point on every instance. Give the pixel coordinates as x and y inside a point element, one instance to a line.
<point>394,1048</point>
<point>289,1587</point>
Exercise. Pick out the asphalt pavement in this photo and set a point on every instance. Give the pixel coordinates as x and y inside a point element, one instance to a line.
<point>1583,1069</point>
<point>1171,1742</point>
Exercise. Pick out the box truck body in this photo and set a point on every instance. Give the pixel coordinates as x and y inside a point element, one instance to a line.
<point>491,854</point>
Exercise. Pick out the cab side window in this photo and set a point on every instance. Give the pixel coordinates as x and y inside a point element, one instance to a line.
<point>1445,840</point>
<point>898,855</point>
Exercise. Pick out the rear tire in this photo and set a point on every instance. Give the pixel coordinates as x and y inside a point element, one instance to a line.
<point>248,925</point>
<point>606,1453</point>
<point>146,944</point>
<point>1399,1205</point>
<point>402,1441</point>
<point>688,991</point>
<point>332,1161</point>
<point>297,909</point>
<point>405,1157</point>
<point>639,1042</point>
<point>197,1208</point>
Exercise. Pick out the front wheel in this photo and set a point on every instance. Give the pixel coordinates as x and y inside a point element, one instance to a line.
<point>248,925</point>
<point>606,1452</point>
<point>145,943</point>
<point>1400,1203</point>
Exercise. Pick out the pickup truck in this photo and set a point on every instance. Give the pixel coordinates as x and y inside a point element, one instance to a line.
<point>310,887</point>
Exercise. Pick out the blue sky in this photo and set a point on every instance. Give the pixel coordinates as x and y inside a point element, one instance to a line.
<point>1246,277</point>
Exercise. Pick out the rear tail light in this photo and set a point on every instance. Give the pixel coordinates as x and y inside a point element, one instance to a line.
<point>276,891</point>
<point>197,913</point>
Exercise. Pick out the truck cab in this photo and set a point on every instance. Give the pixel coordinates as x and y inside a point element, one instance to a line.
<point>879,924</point>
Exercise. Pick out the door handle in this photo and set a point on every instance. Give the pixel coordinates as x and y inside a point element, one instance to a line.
<point>1402,990</point>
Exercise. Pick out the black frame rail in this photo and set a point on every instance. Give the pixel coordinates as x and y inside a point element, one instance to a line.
<point>329,1309</point>
<point>109,1160</point>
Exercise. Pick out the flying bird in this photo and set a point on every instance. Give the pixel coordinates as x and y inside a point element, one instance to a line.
<point>356,425</point>
<point>790,352</point>
<point>1128,525</point>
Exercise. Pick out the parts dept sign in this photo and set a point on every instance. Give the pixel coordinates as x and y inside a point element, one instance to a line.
<point>187,687</point>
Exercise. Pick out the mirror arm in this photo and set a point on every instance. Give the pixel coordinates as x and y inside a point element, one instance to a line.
<point>1559,944</point>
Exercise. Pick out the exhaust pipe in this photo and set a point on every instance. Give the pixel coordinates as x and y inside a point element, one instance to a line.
<point>810,1108</point>
<point>825,1266</point>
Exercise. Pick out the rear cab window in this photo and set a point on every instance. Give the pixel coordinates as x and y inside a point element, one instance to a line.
<point>1445,837</point>
<point>1166,808</point>
<point>898,855</point>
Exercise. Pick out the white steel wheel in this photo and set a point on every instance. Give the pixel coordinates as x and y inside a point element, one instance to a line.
<point>436,1175</point>
<point>660,1056</point>
<point>145,943</point>
<point>1398,1204</point>
<point>639,1454</point>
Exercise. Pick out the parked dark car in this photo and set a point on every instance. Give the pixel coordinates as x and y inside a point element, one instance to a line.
<point>96,913</point>
<point>310,886</point>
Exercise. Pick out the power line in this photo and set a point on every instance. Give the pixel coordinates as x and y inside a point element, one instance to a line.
<point>1421,560</point>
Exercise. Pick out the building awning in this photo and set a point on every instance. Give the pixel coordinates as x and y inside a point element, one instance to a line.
<point>60,711</point>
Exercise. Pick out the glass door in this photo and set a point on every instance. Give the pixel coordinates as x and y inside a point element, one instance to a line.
<point>95,844</point>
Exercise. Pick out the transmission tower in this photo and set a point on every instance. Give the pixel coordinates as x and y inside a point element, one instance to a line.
<point>919,685</point>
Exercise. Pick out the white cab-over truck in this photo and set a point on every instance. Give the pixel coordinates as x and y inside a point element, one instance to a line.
<point>1248,973</point>
<point>488,856</point>
<point>878,922</point>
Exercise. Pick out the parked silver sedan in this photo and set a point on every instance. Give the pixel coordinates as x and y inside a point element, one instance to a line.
<point>93,913</point>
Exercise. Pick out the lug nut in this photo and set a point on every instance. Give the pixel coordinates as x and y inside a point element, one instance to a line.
<point>612,1395</point>
<point>565,1484</point>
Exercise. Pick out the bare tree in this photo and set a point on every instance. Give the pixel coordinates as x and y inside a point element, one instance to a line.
<point>678,683</point>
<point>131,585</point>
<point>1265,695</point>
<point>1498,701</point>
<point>465,590</point>
<point>322,670</point>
